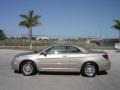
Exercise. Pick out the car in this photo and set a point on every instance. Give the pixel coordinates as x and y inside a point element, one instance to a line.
<point>62,58</point>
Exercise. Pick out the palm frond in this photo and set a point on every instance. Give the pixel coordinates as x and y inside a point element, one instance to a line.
<point>36,17</point>
<point>30,20</point>
<point>24,17</point>
<point>24,24</point>
<point>30,15</point>
<point>116,25</point>
<point>117,22</point>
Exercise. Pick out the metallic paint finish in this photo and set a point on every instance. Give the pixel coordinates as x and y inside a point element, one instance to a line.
<point>62,62</point>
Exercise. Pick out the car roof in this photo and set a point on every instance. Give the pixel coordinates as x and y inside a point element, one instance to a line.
<point>64,45</point>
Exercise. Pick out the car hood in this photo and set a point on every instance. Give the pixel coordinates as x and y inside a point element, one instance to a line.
<point>25,54</point>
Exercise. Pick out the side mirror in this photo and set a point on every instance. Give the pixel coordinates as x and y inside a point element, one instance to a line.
<point>36,51</point>
<point>44,53</point>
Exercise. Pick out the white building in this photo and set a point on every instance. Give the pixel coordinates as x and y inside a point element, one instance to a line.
<point>42,38</point>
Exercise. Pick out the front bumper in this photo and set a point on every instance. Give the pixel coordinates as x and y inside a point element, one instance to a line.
<point>15,65</point>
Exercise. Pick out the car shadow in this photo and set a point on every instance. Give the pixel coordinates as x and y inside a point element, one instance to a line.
<point>63,73</point>
<point>58,73</point>
<point>102,73</point>
<point>67,73</point>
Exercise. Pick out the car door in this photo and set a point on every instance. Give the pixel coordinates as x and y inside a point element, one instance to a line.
<point>55,59</point>
<point>76,56</point>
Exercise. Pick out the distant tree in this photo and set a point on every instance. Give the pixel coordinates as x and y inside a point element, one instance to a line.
<point>2,35</point>
<point>30,20</point>
<point>117,27</point>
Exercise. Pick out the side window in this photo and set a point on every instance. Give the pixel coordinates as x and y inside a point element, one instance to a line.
<point>57,50</point>
<point>73,49</point>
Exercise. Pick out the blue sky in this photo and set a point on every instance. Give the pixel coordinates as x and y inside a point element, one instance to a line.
<point>62,18</point>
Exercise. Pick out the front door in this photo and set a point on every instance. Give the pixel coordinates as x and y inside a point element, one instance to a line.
<point>55,59</point>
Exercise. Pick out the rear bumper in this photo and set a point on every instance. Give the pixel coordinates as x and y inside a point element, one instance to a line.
<point>105,65</point>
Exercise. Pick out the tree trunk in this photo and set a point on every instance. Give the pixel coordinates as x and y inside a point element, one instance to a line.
<point>30,37</point>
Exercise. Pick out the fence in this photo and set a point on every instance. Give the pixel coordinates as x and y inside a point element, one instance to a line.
<point>22,42</point>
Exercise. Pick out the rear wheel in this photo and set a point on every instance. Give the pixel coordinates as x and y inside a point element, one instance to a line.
<point>89,70</point>
<point>28,68</point>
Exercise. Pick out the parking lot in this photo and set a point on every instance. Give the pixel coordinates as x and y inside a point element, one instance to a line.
<point>61,81</point>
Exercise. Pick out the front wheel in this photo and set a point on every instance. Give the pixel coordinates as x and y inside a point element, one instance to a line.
<point>89,70</point>
<point>28,68</point>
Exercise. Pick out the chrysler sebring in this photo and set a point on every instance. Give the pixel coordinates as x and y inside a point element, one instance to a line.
<point>62,58</point>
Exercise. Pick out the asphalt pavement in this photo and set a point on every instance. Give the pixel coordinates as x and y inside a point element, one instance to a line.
<point>60,81</point>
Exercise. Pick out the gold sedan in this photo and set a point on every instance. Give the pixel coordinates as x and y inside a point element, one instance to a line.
<point>62,58</point>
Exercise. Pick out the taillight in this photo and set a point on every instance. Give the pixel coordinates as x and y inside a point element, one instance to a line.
<point>106,56</point>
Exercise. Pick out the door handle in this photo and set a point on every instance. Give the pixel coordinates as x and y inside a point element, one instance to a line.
<point>64,56</point>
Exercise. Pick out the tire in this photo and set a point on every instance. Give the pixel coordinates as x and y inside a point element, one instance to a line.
<point>89,70</point>
<point>28,68</point>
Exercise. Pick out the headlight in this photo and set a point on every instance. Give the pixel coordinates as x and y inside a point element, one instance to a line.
<point>15,59</point>
<point>14,62</point>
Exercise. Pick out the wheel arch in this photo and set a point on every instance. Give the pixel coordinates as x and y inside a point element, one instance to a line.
<point>96,65</point>
<point>27,61</point>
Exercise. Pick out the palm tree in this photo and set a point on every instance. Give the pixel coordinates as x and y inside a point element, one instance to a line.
<point>30,20</point>
<point>117,27</point>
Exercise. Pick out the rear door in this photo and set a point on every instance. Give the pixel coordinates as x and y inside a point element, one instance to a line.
<point>76,56</point>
